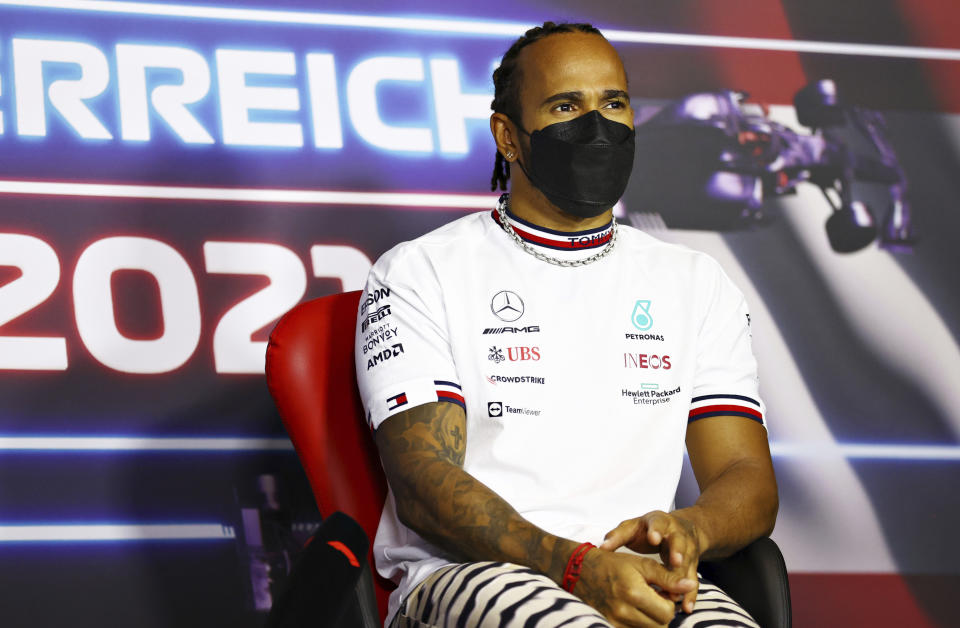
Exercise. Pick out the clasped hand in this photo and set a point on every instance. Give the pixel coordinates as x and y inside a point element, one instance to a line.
<point>638,591</point>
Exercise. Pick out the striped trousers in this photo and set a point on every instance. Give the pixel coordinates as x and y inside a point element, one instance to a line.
<point>502,595</point>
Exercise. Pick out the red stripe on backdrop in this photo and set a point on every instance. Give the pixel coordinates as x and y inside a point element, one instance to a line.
<point>875,600</point>
<point>880,83</point>
<point>772,77</point>
<point>936,23</point>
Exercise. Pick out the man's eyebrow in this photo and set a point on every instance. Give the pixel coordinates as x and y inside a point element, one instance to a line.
<point>577,96</point>
<point>615,93</point>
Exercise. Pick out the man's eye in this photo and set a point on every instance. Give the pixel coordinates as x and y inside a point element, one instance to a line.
<point>565,107</point>
<point>616,104</point>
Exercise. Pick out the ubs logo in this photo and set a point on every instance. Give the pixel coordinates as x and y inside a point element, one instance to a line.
<point>514,354</point>
<point>507,306</point>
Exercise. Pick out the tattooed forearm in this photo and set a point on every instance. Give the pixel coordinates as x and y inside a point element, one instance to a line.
<point>423,451</point>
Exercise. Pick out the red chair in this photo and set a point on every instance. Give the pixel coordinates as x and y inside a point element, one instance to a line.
<point>310,374</point>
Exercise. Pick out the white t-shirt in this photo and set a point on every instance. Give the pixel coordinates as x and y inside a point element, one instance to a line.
<point>578,382</point>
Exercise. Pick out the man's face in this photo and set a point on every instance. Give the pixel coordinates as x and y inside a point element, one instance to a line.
<point>566,75</point>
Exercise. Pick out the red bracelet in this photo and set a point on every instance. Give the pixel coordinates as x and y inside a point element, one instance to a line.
<point>572,573</point>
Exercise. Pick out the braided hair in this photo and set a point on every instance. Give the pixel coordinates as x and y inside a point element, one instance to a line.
<point>506,84</point>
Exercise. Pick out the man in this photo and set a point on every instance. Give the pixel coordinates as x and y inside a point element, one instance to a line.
<point>531,375</point>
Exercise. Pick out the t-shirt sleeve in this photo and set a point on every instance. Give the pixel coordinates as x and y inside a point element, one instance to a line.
<point>725,381</point>
<point>403,356</point>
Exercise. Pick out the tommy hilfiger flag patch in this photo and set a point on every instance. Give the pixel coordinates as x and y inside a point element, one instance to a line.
<point>449,391</point>
<point>396,401</point>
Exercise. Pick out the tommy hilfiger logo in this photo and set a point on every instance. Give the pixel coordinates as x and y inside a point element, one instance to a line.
<point>396,401</point>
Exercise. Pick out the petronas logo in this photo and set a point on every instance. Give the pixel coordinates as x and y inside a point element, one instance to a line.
<point>641,315</point>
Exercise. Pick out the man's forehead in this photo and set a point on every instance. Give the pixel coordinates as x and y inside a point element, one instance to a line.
<point>571,61</point>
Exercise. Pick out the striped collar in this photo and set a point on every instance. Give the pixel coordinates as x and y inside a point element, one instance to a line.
<point>557,240</point>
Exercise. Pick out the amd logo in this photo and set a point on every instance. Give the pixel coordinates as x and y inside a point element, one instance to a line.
<point>530,329</point>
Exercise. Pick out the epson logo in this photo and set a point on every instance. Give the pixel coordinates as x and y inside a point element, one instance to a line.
<point>374,297</point>
<point>530,329</point>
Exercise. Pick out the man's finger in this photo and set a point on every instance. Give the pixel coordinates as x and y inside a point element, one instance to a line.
<point>677,551</point>
<point>622,534</point>
<point>670,581</point>
<point>658,527</point>
<point>646,606</point>
<point>690,599</point>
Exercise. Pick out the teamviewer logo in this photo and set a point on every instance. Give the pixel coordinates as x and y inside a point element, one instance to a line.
<point>494,409</point>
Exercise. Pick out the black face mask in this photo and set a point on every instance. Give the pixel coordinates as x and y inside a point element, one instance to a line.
<point>582,165</point>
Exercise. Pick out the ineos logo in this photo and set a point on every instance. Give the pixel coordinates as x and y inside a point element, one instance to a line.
<point>507,306</point>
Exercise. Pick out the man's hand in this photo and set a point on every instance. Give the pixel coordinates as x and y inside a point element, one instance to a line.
<point>621,587</point>
<point>675,538</point>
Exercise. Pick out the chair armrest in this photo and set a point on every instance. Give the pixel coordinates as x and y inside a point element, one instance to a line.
<point>756,577</point>
<point>330,583</point>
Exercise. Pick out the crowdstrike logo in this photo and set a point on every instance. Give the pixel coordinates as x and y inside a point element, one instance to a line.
<point>507,306</point>
<point>516,379</point>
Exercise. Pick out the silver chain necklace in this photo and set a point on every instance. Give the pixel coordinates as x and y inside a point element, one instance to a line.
<point>505,222</point>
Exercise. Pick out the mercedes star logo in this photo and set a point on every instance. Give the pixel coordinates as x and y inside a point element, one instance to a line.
<point>507,306</point>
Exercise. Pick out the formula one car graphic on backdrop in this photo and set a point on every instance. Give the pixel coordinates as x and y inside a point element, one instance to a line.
<point>709,160</point>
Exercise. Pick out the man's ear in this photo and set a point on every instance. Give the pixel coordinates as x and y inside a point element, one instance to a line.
<point>505,135</point>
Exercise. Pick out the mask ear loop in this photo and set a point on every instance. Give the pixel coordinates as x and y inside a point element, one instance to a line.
<point>520,152</point>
